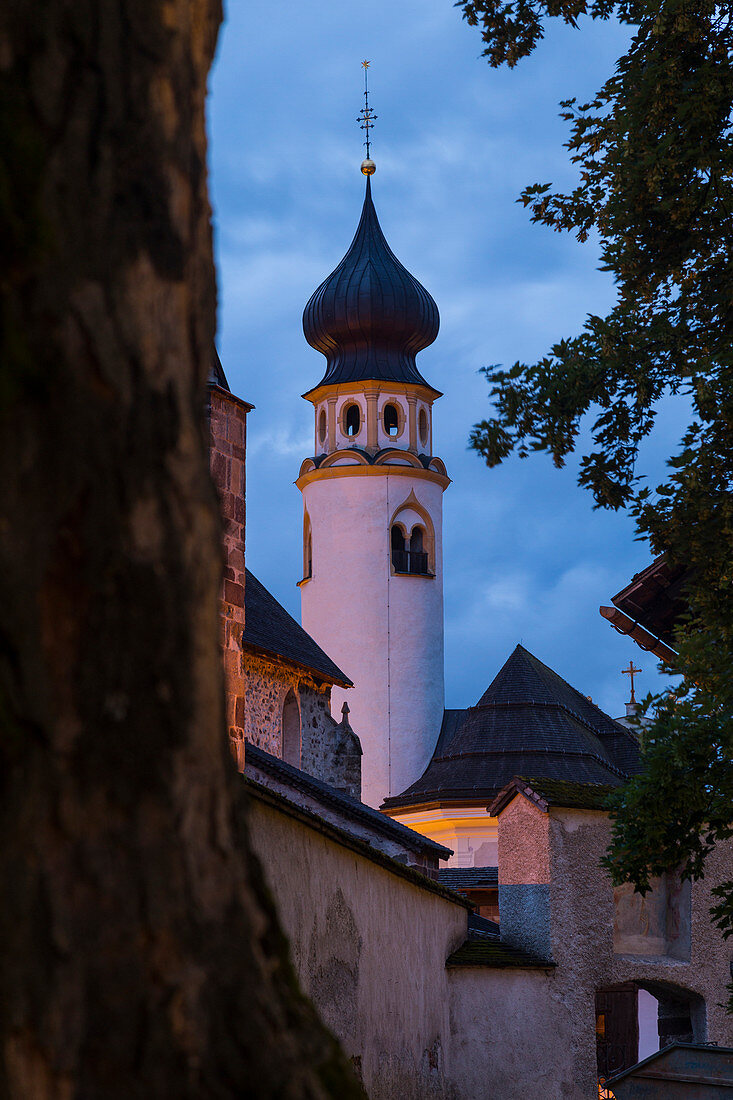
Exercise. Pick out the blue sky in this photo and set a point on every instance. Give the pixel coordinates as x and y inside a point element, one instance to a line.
<point>526,557</point>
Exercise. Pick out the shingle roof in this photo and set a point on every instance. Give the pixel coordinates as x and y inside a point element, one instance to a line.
<point>370,317</point>
<point>348,840</point>
<point>346,805</point>
<point>555,792</point>
<point>216,373</point>
<point>529,721</point>
<point>487,951</point>
<point>469,878</point>
<point>268,627</point>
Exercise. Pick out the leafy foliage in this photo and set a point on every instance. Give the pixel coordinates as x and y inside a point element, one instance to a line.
<point>654,151</point>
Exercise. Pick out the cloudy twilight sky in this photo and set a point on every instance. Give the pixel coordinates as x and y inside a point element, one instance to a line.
<point>526,557</point>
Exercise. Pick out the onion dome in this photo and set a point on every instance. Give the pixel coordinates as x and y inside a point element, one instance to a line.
<point>370,317</point>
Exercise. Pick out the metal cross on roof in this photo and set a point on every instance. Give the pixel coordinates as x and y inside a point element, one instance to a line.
<point>630,673</point>
<point>366,118</point>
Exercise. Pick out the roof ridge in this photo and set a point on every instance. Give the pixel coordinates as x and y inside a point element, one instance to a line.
<point>587,701</point>
<point>545,752</point>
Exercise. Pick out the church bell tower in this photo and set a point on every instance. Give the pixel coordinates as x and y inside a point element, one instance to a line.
<point>372,587</point>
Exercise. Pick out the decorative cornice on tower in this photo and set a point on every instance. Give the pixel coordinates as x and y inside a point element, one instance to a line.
<point>371,317</point>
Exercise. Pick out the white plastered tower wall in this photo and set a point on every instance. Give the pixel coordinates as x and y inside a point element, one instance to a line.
<point>372,588</point>
<point>385,626</point>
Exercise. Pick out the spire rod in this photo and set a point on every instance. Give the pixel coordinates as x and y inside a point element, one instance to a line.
<point>366,120</point>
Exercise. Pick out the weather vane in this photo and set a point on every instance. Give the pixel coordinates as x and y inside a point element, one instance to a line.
<point>366,119</point>
<point>630,673</point>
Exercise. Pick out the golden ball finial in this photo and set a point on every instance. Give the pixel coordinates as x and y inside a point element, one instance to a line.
<point>368,167</point>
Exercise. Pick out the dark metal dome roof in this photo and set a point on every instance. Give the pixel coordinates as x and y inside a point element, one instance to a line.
<point>370,317</point>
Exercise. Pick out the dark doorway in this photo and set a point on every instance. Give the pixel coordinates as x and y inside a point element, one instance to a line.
<point>617,1029</point>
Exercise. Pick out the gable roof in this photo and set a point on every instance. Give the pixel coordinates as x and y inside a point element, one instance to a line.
<point>269,628</point>
<point>529,721</point>
<point>554,792</point>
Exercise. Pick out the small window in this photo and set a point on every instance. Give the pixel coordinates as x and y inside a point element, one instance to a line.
<point>391,420</point>
<point>307,548</point>
<point>322,427</point>
<point>400,557</point>
<point>423,427</point>
<point>352,420</point>
<point>418,557</point>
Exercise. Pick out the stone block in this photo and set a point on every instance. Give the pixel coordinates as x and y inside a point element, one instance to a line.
<point>235,430</point>
<point>234,593</point>
<point>219,470</point>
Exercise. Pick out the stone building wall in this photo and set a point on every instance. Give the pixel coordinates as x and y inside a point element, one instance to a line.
<point>330,750</point>
<point>587,929</point>
<point>227,443</point>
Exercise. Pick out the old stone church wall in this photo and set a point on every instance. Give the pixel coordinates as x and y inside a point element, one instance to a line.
<point>329,750</point>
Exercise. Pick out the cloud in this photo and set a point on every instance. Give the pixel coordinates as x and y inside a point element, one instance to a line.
<point>525,556</point>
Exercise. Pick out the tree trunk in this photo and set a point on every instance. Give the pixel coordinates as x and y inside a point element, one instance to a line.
<point>139,954</point>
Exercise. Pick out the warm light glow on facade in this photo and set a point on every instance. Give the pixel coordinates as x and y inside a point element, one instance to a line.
<point>467,830</point>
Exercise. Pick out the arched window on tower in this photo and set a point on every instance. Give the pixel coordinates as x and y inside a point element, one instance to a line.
<point>307,548</point>
<point>400,557</point>
<point>418,557</point>
<point>391,420</point>
<point>423,427</point>
<point>413,539</point>
<point>352,420</point>
<point>291,730</point>
<point>322,427</point>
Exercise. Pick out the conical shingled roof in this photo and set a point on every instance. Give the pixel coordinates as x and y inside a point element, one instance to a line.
<point>529,721</point>
<point>370,317</point>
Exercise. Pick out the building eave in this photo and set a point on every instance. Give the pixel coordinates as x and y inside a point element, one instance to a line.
<point>313,821</point>
<point>272,654</point>
<point>383,470</point>
<point>371,385</point>
<point>646,641</point>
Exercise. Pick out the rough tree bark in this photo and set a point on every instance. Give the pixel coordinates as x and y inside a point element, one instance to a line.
<point>139,955</point>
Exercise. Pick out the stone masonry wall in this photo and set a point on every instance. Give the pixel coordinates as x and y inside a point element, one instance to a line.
<point>330,751</point>
<point>570,916</point>
<point>227,441</point>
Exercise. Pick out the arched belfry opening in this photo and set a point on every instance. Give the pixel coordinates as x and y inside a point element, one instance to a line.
<point>418,557</point>
<point>391,420</point>
<point>399,550</point>
<point>352,420</point>
<point>291,730</point>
